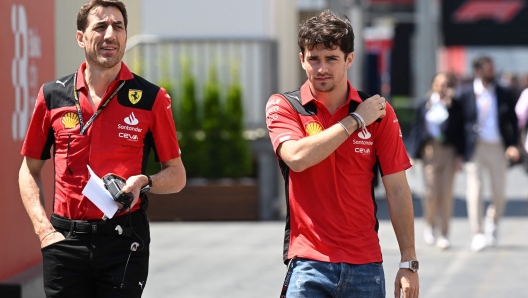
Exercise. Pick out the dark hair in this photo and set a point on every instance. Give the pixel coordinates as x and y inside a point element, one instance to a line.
<point>327,30</point>
<point>480,61</point>
<point>451,78</point>
<point>82,16</point>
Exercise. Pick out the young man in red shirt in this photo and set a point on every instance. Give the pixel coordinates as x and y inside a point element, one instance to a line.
<point>105,117</point>
<point>328,142</point>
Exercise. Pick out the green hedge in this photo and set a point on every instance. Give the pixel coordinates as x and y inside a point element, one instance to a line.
<point>210,135</point>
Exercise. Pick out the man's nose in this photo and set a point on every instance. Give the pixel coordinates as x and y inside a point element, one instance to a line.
<point>323,67</point>
<point>109,33</point>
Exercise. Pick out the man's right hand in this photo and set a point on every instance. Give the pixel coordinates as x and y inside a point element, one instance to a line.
<point>372,109</point>
<point>51,238</point>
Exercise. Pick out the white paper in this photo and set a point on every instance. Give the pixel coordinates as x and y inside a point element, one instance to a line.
<point>97,193</point>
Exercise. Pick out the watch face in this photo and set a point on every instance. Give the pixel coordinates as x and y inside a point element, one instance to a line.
<point>414,265</point>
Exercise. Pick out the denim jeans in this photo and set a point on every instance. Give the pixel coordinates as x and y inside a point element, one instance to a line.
<point>316,279</point>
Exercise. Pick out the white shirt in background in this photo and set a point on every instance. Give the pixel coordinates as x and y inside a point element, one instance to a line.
<point>435,116</point>
<point>487,112</point>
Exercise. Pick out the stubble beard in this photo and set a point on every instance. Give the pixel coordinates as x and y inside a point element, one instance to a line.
<point>103,62</point>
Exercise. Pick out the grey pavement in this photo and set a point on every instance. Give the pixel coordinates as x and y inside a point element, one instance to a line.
<point>243,259</point>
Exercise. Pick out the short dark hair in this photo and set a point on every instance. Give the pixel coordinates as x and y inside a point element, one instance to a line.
<point>480,61</point>
<point>82,16</point>
<point>328,30</point>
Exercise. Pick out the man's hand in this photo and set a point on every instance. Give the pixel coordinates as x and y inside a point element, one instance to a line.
<point>133,185</point>
<point>49,239</point>
<point>406,284</point>
<point>372,109</point>
<point>512,153</point>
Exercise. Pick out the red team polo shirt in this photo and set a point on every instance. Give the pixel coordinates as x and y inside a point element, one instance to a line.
<point>114,143</point>
<point>332,212</point>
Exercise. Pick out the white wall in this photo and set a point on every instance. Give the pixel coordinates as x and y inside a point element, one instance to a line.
<point>68,55</point>
<point>207,19</point>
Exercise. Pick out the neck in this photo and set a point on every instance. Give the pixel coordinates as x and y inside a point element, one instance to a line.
<point>485,82</point>
<point>333,99</point>
<point>98,79</point>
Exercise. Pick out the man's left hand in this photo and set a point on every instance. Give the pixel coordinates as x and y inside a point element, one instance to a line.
<point>512,153</point>
<point>406,284</point>
<point>133,185</point>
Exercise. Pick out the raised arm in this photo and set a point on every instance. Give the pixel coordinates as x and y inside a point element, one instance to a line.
<point>306,152</point>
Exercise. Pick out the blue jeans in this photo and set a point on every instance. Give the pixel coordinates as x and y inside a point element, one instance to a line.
<point>316,279</point>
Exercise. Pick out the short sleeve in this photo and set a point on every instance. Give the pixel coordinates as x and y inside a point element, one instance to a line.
<point>39,137</point>
<point>282,121</point>
<point>389,145</point>
<point>163,128</point>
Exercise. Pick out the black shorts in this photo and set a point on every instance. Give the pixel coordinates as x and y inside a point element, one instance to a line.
<point>98,265</point>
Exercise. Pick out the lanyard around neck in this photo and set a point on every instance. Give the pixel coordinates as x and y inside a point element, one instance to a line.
<point>83,127</point>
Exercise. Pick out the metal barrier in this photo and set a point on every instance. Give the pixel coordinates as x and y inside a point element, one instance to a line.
<point>159,58</point>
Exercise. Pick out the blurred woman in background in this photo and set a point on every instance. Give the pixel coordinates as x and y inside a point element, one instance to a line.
<point>437,138</point>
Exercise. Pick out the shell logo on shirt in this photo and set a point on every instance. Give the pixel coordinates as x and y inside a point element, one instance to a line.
<point>134,95</point>
<point>313,128</point>
<point>70,120</point>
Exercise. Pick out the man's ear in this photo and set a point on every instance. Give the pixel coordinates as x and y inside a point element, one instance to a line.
<point>349,60</point>
<point>301,57</point>
<point>79,36</point>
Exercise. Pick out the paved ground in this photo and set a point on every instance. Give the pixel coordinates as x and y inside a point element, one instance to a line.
<point>243,259</point>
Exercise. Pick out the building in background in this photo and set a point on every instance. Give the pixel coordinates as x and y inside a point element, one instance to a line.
<point>26,61</point>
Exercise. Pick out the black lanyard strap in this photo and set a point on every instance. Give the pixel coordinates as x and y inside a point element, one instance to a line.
<point>82,126</point>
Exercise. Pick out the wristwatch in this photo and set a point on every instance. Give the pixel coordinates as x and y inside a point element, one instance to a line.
<point>411,265</point>
<point>147,187</point>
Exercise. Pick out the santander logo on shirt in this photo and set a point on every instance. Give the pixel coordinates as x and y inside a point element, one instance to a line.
<point>131,120</point>
<point>364,146</point>
<point>364,134</point>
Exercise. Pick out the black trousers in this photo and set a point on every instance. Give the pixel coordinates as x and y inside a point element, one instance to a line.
<point>98,265</point>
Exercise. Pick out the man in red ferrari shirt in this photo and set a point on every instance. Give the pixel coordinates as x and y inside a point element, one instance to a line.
<point>329,138</point>
<point>105,117</point>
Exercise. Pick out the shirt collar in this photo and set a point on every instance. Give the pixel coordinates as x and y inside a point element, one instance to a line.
<point>123,75</point>
<point>307,96</point>
<point>479,88</point>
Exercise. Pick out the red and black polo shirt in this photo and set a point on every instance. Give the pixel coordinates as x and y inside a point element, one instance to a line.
<point>331,206</point>
<point>138,119</point>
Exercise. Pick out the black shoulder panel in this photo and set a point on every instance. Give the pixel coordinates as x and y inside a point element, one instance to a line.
<point>136,87</point>
<point>364,96</point>
<point>294,98</point>
<point>59,93</point>
<point>352,106</point>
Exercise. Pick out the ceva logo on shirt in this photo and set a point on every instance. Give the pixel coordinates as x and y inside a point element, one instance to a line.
<point>131,120</point>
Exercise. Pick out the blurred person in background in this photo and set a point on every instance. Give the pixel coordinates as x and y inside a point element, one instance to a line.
<point>328,136</point>
<point>521,110</point>
<point>491,138</point>
<point>108,118</point>
<point>437,139</point>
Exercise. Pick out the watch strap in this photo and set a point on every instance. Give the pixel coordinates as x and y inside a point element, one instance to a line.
<point>149,180</point>
<point>411,265</point>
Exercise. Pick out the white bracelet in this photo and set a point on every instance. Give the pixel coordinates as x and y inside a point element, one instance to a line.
<point>363,124</point>
<point>344,127</point>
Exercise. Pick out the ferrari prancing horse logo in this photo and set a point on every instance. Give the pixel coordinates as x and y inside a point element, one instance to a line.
<point>134,95</point>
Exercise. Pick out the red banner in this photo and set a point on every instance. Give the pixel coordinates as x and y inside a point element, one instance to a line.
<point>27,60</point>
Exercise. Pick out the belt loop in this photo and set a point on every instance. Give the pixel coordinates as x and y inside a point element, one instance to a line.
<point>71,232</point>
